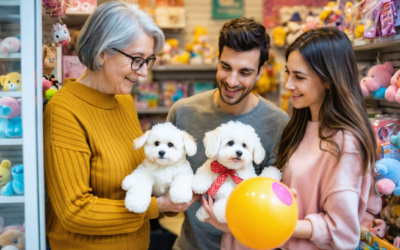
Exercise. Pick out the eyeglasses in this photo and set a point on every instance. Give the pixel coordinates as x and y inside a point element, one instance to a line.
<point>138,62</point>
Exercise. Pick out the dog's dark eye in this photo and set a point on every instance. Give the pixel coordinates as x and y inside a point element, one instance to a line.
<point>379,230</point>
<point>244,145</point>
<point>157,143</point>
<point>170,145</point>
<point>230,143</point>
<point>16,241</point>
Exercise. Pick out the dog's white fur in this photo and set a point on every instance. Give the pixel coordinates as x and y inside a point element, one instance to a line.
<point>246,141</point>
<point>157,174</point>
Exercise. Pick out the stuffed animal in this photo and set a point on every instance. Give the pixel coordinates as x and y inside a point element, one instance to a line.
<point>387,171</point>
<point>16,186</point>
<point>202,52</point>
<point>61,34</point>
<point>5,174</point>
<point>392,93</point>
<point>10,45</point>
<point>377,80</point>
<point>12,240</point>
<point>10,117</point>
<point>11,82</point>
<point>378,227</point>
<point>49,60</point>
<point>278,36</point>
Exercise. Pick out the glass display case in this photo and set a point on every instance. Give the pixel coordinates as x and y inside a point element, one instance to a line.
<point>21,153</point>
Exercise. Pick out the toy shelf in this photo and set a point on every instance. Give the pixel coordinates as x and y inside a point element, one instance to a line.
<point>184,68</point>
<point>9,2</point>
<point>383,42</point>
<point>11,141</point>
<point>12,199</point>
<point>10,93</point>
<point>12,55</point>
<point>158,110</point>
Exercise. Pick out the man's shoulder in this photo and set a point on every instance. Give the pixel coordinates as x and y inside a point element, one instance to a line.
<point>273,112</point>
<point>200,100</point>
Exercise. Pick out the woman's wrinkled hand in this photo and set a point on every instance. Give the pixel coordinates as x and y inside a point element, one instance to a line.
<point>166,205</point>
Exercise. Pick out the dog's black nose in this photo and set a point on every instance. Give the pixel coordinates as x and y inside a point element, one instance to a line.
<point>239,153</point>
<point>161,153</point>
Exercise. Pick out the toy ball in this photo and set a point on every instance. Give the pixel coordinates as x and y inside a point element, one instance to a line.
<point>262,213</point>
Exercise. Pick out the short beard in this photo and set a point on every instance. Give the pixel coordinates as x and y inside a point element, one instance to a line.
<point>239,100</point>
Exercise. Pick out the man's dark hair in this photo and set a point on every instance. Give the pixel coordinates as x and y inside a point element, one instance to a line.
<point>244,34</point>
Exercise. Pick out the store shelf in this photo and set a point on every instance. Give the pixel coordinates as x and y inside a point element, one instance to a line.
<point>383,42</point>
<point>11,55</point>
<point>185,68</point>
<point>10,93</point>
<point>9,3</point>
<point>11,141</point>
<point>158,110</point>
<point>12,199</point>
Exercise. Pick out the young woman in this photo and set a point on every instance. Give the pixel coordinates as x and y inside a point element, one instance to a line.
<point>327,149</point>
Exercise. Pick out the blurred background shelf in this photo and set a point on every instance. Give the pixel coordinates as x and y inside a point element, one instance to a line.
<point>12,55</point>
<point>10,93</point>
<point>11,141</point>
<point>12,199</point>
<point>185,68</point>
<point>158,110</point>
<point>383,42</point>
<point>9,3</point>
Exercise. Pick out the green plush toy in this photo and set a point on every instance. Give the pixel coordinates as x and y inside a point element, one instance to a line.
<point>5,174</point>
<point>50,93</point>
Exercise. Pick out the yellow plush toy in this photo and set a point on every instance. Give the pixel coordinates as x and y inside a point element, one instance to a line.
<point>198,32</point>
<point>268,82</point>
<point>5,175</point>
<point>360,31</point>
<point>279,36</point>
<point>11,82</point>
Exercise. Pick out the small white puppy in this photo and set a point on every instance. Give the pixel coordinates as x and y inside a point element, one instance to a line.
<point>165,168</point>
<point>231,149</point>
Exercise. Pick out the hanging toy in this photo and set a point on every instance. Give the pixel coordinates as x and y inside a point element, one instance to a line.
<point>56,8</point>
<point>61,34</point>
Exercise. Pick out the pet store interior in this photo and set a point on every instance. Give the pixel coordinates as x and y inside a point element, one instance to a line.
<point>38,53</point>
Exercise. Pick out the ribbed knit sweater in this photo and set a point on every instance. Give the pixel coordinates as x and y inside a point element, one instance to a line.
<point>88,147</point>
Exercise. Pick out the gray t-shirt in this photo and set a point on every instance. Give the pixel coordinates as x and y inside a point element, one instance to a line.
<point>198,115</point>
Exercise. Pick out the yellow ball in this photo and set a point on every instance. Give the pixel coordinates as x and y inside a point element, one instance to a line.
<point>262,213</point>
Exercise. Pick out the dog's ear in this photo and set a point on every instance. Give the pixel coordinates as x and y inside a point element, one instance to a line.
<point>212,142</point>
<point>140,141</point>
<point>258,152</point>
<point>190,144</point>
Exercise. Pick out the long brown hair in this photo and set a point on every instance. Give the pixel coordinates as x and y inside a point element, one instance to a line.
<point>329,54</point>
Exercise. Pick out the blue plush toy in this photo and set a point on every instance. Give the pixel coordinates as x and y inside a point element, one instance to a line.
<point>16,186</point>
<point>10,117</point>
<point>388,176</point>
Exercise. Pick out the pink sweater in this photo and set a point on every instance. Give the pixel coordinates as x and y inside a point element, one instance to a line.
<point>333,196</point>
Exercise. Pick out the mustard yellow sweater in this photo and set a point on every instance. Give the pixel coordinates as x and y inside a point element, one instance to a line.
<point>88,147</point>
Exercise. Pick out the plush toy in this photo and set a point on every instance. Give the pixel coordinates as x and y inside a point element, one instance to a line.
<point>387,171</point>
<point>201,51</point>
<point>10,117</point>
<point>12,240</point>
<point>360,31</point>
<point>10,45</point>
<point>378,227</point>
<point>16,186</point>
<point>49,60</point>
<point>5,174</point>
<point>392,93</point>
<point>11,82</point>
<point>331,16</point>
<point>377,80</point>
<point>61,34</point>
<point>311,23</point>
<point>278,36</point>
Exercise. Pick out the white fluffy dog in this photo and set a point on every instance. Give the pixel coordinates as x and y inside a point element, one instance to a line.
<point>235,146</point>
<point>165,168</point>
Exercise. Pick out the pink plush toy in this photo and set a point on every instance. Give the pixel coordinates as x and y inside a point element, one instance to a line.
<point>10,45</point>
<point>46,85</point>
<point>9,107</point>
<point>378,228</point>
<point>377,80</point>
<point>392,93</point>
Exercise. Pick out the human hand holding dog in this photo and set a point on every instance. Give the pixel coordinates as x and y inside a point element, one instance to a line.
<point>213,220</point>
<point>166,205</point>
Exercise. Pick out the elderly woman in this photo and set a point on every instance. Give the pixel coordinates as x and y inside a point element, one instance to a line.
<point>89,128</point>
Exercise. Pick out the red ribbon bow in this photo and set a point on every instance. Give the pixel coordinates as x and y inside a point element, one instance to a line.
<point>218,168</point>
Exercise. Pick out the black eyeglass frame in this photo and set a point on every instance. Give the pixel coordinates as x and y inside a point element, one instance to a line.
<point>135,57</point>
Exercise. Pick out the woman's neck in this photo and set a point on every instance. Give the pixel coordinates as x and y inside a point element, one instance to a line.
<point>92,79</point>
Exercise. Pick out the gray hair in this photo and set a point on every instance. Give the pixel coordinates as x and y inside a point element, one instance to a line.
<point>114,24</point>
